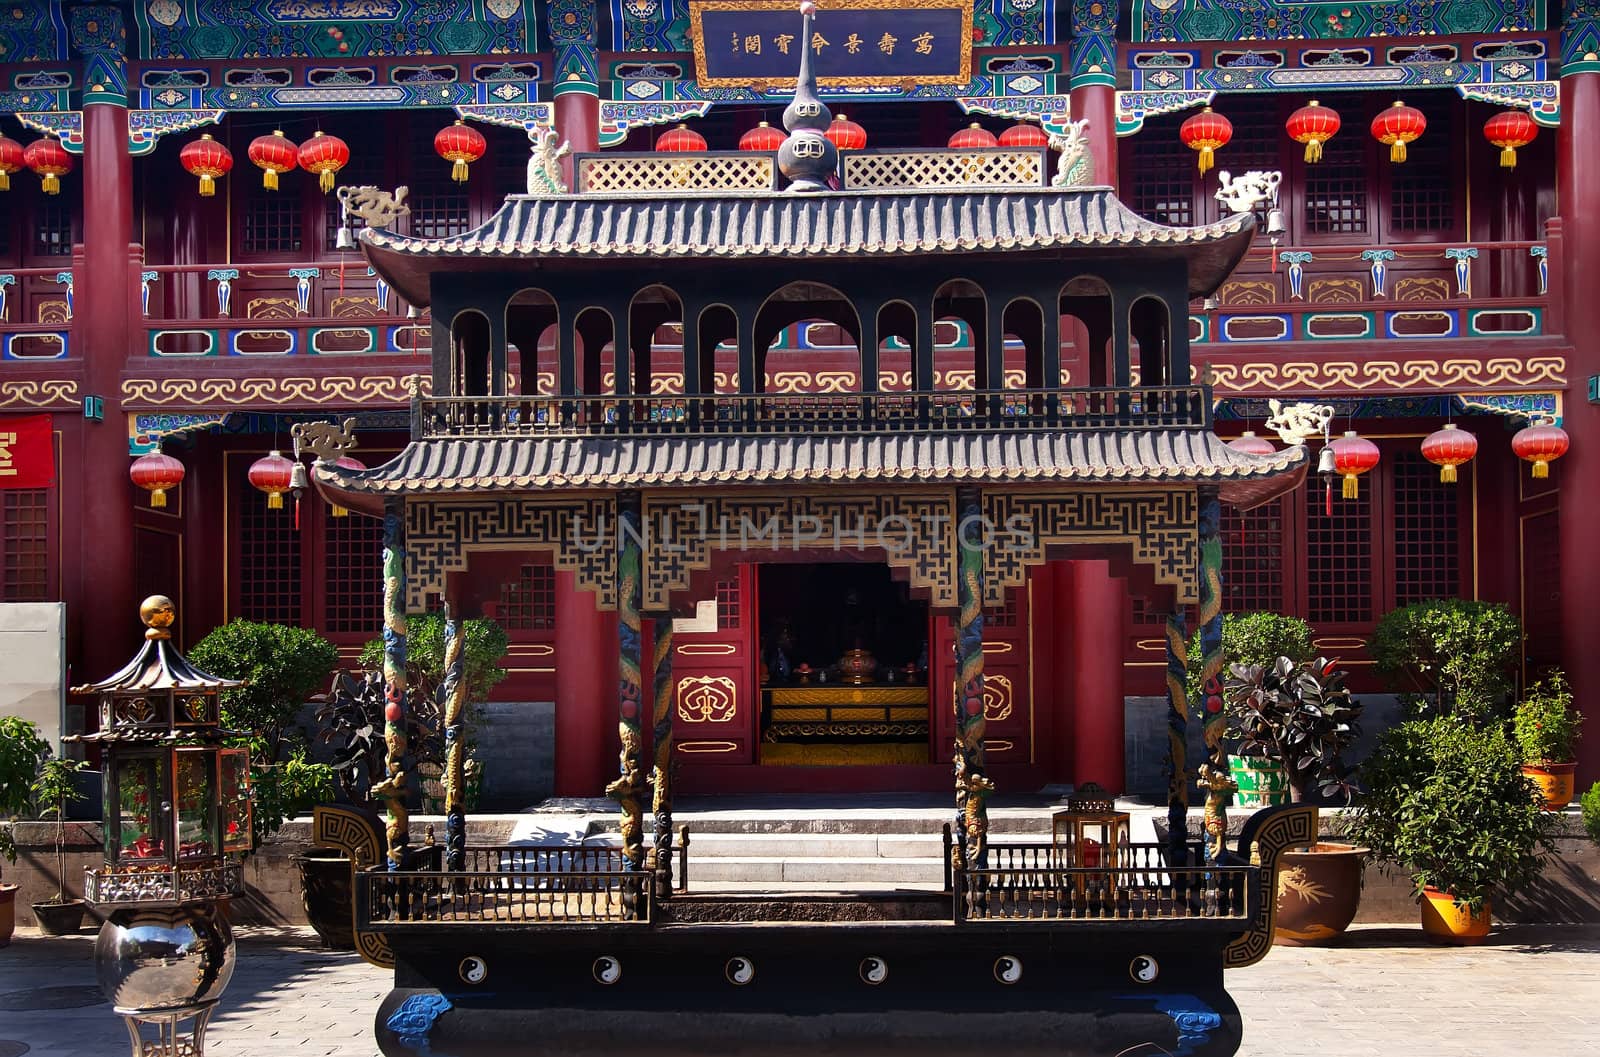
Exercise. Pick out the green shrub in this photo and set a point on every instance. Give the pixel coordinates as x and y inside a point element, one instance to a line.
<point>1546,724</point>
<point>1446,800</point>
<point>1591,812</point>
<point>1299,714</point>
<point>22,753</point>
<point>284,667</point>
<point>279,792</point>
<point>53,789</point>
<point>1459,655</point>
<point>1255,640</point>
<point>486,645</point>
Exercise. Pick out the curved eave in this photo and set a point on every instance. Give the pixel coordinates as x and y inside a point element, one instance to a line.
<point>158,666</point>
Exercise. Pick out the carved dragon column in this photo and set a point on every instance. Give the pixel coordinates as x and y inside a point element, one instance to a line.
<point>973,785</point>
<point>661,774</point>
<point>454,690</point>
<point>1214,772</point>
<point>393,789</point>
<point>1177,733</point>
<point>629,787</point>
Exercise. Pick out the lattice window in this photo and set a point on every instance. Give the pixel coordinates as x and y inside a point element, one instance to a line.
<point>5,237</point>
<point>438,214</point>
<point>509,157</point>
<point>528,603</point>
<point>668,173</point>
<point>52,234</point>
<point>272,221</point>
<point>27,544</point>
<point>353,573</point>
<point>1163,176</point>
<point>730,605</point>
<point>1257,141</point>
<point>269,559</point>
<point>1422,191</point>
<point>1426,530</point>
<point>1003,167</point>
<point>1003,615</point>
<point>1339,556</point>
<point>1336,188</point>
<point>1253,559</point>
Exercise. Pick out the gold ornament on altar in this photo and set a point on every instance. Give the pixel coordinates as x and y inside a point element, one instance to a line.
<point>857,667</point>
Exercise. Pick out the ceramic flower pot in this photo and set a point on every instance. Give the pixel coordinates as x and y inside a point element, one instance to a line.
<point>1262,782</point>
<point>8,913</point>
<point>1555,782</point>
<point>327,896</point>
<point>1446,921</point>
<point>1319,889</point>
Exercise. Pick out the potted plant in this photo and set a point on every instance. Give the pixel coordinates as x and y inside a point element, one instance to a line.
<point>1591,812</point>
<point>1256,640</point>
<point>1449,656</point>
<point>21,753</point>
<point>53,789</point>
<point>1301,715</point>
<point>1546,727</point>
<point>1445,799</point>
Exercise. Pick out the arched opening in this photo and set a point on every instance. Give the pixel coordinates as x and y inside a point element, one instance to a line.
<point>717,358</point>
<point>471,367</point>
<point>594,334</point>
<point>807,339</point>
<point>964,356</point>
<point>1085,328</point>
<point>1150,327</point>
<point>654,361</point>
<point>897,337</point>
<point>532,331</point>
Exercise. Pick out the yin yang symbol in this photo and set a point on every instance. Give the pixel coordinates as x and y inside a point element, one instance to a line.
<point>1144,969</point>
<point>607,969</point>
<point>1008,968</point>
<point>874,970</point>
<point>739,971</point>
<point>473,969</point>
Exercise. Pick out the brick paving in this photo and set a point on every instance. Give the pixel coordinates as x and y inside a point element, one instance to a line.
<point>1530,989</point>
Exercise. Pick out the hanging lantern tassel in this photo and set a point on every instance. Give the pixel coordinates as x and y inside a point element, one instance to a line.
<point>1541,444</point>
<point>1206,132</point>
<point>1327,498</point>
<point>1448,448</point>
<point>1353,455</point>
<point>1509,130</point>
<point>1397,126</point>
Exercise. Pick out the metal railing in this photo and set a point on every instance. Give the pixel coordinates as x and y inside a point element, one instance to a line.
<point>1065,893</point>
<point>425,897</point>
<point>161,883</point>
<point>945,411</point>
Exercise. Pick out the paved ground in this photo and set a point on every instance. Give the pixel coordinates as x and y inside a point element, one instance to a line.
<point>1529,990</point>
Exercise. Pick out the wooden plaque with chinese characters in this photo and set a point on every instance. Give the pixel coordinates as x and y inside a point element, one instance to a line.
<point>854,43</point>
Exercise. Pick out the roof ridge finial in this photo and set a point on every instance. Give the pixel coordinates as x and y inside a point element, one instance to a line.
<point>157,613</point>
<point>807,157</point>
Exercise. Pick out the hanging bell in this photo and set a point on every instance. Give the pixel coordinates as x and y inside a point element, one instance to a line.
<point>346,239</point>
<point>1276,226</point>
<point>1325,464</point>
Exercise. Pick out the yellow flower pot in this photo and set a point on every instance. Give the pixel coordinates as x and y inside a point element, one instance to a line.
<point>1555,782</point>
<point>1447,921</point>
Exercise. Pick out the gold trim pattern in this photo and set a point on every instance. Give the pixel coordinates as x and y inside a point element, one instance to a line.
<point>1322,375</point>
<point>707,649</point>
<point>47,393</point>
<point>708,699</point>
<point>338,389</point>
<point>694,747</point>
<point>850,695</point>
<point>997,698</point>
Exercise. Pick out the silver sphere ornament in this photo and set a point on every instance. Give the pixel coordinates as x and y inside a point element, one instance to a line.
<point>159,959</point>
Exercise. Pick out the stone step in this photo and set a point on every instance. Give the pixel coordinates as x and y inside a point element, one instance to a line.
<point>1022,822</point>
<point>841,872</point>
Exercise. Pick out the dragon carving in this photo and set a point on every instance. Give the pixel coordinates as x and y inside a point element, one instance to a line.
<point>1075,166</point>
<point>376,208</point>
<point>544,165</point>
<point>1246,192</point>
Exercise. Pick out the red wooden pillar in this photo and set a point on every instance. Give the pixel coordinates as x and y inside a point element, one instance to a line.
<point>104,292</point>
<point>576,87</point>
<point>585,689</point>
<point>1580,470</point>
<point>1094,82</point>
<point>1094,603</point>
<point>1098,103</point>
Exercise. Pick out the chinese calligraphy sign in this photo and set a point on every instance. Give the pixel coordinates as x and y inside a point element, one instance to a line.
<point>855,43</point>
<point>27,452</point>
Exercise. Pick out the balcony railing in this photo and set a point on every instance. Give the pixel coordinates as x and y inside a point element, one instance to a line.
<point>502,894</point>
<point>161,883</point>
<point>945,411</point>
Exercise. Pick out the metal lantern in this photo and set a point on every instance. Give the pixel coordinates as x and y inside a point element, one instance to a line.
<point>1509,130</point>
<point>1448,448</point>
<point>274,475</point>
<point>324,155</point>
<point>762,138</point>
<point>50,160</point>
<point>177,816</point>
<point>1091,834</point>
<point>459,144</point>
<point>680,139</point>
<point>973,137</point>
<point>1313,125</point>
<point>207,159</point>
<point>1206,132</point>
<point>11,160</point>
<point>1353,455</point>
<point>1397,126</point>
<point>1251,444</point>
<point>157,474</point>
<point>1541,443</point>
<point>1024,134</point>
<point>846,134</point>
<point>273,155</point>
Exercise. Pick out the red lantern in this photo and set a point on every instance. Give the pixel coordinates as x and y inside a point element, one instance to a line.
<point>973,137</point>
<point>762,138</point>
<point>1448,448</point>
<point>351,464</point>
<point>50,160</point>
<point>157,474</point>
<point>1206,132</point>
<point>1509,130</point>
<point>274,475</point>
<point>10,161</point>
<point>459,144</point>
<point>1541,444</point>
<point>207,159</point>
<point>1397,126</point>
<point>1251,444</point>
<point>324,155</point>
<point>273,154</point>
<point>846,134</point>
<point>1313,125</point>
<point>683,138</point>
<point>1024,134</point>
<point>1353,455</point>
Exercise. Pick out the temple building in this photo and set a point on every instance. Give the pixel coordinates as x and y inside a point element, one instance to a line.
<point>641,351</point>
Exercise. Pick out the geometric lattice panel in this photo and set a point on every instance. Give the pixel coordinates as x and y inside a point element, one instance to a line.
<point>580,533</point>
<point>1161,527</point>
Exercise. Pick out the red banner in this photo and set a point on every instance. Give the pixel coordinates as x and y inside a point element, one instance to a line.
<point>27,452</point>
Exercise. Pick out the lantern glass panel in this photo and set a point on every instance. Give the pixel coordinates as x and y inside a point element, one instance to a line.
<point>234,766</point>
<point>140,786</point>
<point>197,815</point>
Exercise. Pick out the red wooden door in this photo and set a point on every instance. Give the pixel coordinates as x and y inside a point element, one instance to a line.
<point>1007,689</point>
<point>716,699</point>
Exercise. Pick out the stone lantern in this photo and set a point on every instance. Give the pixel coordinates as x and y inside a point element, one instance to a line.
<point>177,816</point>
